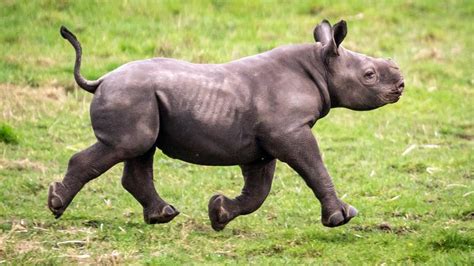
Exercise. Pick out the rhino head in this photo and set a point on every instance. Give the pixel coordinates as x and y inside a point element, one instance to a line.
<point>356,81</point>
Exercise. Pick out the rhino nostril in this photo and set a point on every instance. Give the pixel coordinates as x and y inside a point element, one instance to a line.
<point>401,85</point>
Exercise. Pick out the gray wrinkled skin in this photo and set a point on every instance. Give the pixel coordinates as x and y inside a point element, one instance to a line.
<point>248,112</point>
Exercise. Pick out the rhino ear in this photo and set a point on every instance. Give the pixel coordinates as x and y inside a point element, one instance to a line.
<point>330,37</point>
<point>339,32</point>
<point>323,32</point>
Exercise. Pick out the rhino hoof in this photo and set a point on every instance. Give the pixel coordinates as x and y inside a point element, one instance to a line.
<point>166,214</point>
<point>56,202</point>
<point>340,217</point>
<point>218,214</point>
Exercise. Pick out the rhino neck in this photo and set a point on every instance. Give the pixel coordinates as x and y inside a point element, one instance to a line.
<point>303,59</point>
<point>308,60</point>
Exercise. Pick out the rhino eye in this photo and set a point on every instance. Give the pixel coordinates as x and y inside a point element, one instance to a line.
<point>369,74</point>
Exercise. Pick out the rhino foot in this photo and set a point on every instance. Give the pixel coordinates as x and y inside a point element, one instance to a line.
<point>338,217</point>
<point>57,200</point>
<point>219,215</point>
<point>159,216</point>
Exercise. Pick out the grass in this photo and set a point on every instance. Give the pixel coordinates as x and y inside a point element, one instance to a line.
<point>7,134</point>
<point>407,167</point>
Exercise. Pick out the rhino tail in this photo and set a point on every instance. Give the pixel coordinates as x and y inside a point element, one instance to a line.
<point>88,85</point>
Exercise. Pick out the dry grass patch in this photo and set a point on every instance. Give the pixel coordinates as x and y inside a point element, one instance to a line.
<point>20,103</point>
<point>20,165</point>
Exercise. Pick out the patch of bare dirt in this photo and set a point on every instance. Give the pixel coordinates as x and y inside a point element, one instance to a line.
<point>18,246</point>
<point>25,246</point>
<point>385,227</point>
<point>429,54</point>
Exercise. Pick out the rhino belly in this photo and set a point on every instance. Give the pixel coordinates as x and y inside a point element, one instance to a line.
<point>192,142</point>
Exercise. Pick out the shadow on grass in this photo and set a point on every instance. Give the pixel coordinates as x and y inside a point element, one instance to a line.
<point>453,240</point>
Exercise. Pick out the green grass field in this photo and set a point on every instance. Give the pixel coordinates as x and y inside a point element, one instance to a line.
<point>408,167</point>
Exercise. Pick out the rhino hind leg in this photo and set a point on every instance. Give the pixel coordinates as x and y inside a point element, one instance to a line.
<point>82,168</point>
<point>258,179</point>
<point>119,139</point>
<point>138,180</point>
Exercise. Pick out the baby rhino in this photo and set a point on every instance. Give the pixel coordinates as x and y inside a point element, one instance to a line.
<point>248,112</point>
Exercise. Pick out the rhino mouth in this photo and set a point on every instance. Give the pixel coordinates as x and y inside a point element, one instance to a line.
<point>393,94</point>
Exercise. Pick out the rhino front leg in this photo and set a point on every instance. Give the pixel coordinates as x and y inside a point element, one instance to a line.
<point>300,151</point>
<point>258,179</point>
<point>138,180</point>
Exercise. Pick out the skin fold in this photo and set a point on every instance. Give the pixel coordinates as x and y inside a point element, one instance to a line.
<point>249,112</point>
